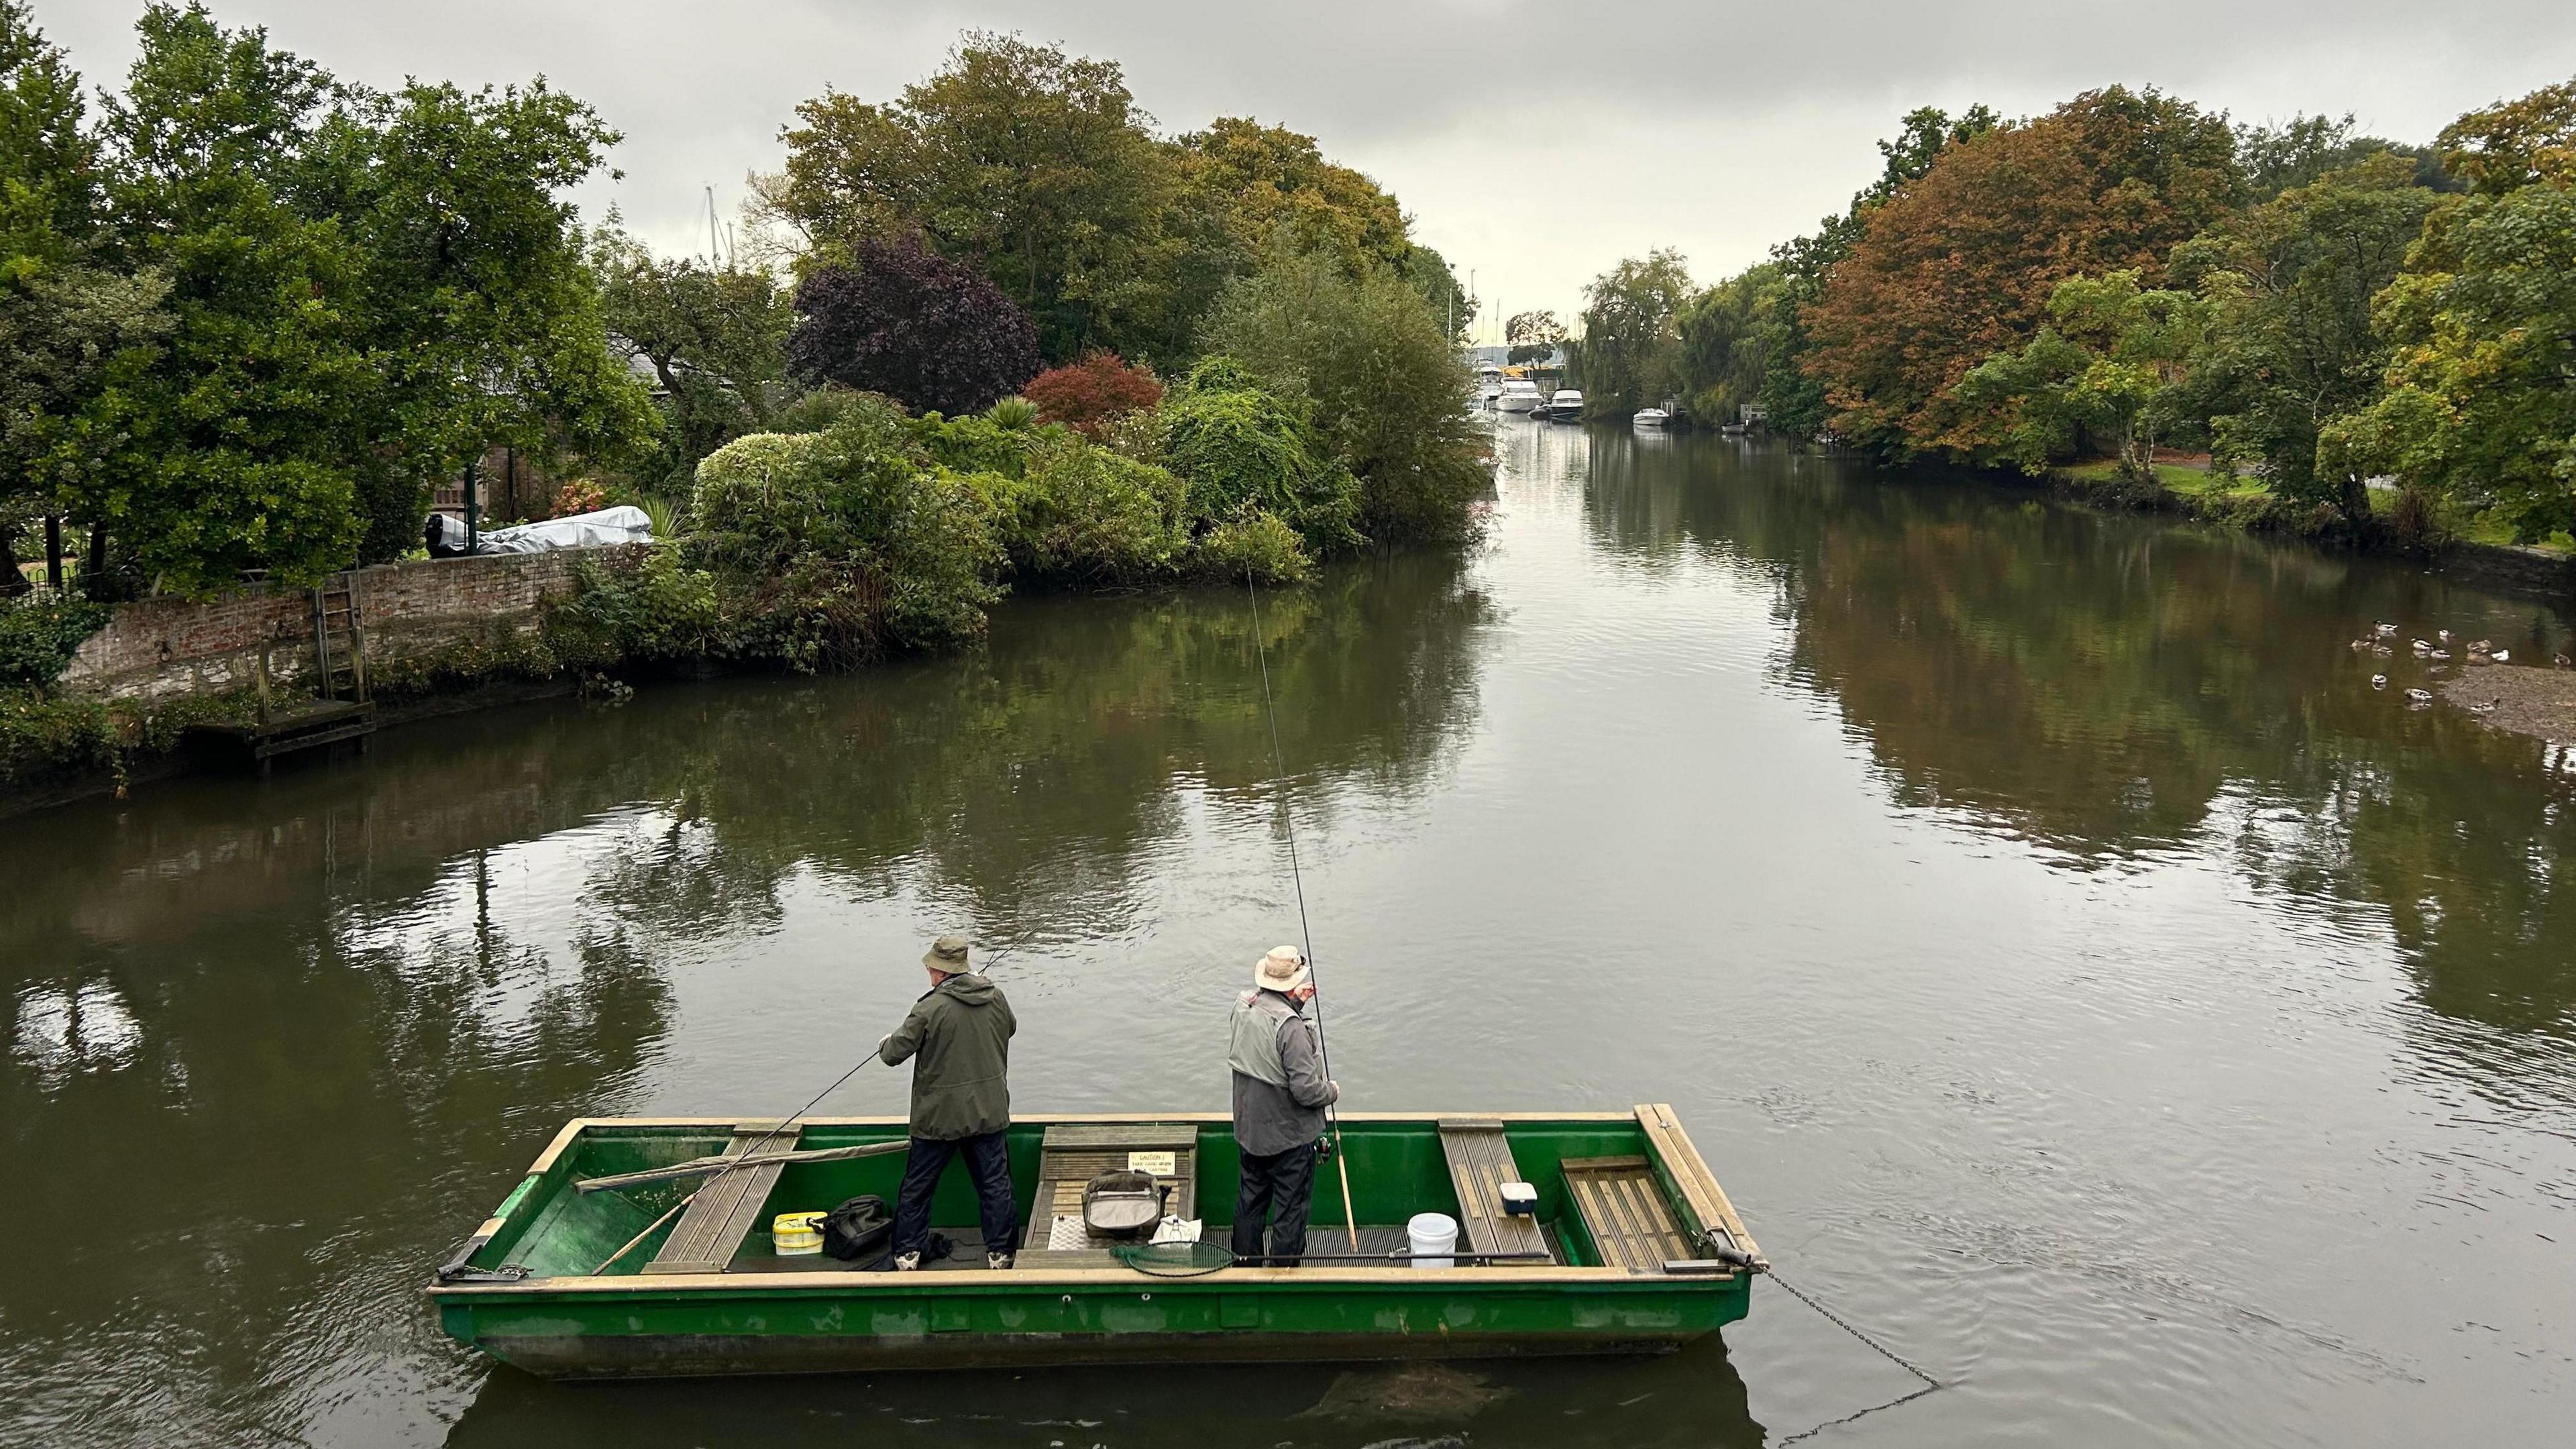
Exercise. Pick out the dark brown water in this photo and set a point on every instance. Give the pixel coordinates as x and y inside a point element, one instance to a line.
<point>2077,972</point>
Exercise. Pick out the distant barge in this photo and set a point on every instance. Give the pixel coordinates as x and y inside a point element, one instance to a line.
<point>1633,1249</point>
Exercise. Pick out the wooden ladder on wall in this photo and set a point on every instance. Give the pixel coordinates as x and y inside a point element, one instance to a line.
<point>339,640</point>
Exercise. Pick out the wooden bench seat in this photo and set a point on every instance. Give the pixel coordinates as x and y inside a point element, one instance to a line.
<point>1073,1153</point>
<point>711,1231</point>
<point>1480,1162</point>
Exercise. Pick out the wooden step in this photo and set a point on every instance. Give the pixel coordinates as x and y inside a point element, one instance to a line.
<point>1480,1162</point>
<point>721,1215</point>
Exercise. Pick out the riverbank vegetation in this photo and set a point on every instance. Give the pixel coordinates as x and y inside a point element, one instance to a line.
<point>2364,337</point>
<point>258,315</point>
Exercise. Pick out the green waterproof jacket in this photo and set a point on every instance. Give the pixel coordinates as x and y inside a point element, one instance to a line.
<point>961,1029</point>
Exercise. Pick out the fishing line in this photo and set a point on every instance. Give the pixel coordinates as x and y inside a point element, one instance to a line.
<point>1305,932</point>
<point>766,1138</point>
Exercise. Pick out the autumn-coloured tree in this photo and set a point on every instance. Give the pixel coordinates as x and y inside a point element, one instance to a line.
<point>1959,264</point>
<point>2513,144</point>
<point>928,332</point>
<point>1085,395</point>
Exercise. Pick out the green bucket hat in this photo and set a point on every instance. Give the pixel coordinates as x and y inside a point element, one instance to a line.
<point>947,955</point>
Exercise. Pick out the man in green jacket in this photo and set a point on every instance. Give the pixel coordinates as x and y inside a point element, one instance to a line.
<point>960,1030</point>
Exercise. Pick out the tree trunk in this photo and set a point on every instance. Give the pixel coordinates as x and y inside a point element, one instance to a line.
<point>94,573</point>
<point>12,582</point>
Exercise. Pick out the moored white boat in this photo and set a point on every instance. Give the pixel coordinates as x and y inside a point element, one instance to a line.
<point>1566,406</point>
<point>1652,418</point>
<point>1518,396</point>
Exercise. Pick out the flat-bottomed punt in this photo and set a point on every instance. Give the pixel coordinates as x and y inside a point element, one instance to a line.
<point>1633,1249</point>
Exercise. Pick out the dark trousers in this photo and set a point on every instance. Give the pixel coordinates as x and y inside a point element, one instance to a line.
<point>990,1163</point>
<point>1283,1183</point>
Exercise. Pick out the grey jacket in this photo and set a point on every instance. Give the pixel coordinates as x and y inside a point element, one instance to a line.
<point>961,1029</point>
<point>1279,1087</point>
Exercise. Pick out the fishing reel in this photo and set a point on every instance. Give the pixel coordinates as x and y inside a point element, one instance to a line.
<point>1324,1148</point>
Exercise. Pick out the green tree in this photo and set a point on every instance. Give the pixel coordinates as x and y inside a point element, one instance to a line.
<point>2108,363</point>
<point>2483,319</point>
<point>1245,190</point>
<point>2305,149</point>
<point>715,337</point>
<point>1628,353</point>
<point>1533,336</point>
<point>1033,163</point>
<point>235,445</point>
<point>2292,343</point>
<point>473,298</point>
<point>1728,338</point>
<point>67,320</point>
<point>1384,380</point>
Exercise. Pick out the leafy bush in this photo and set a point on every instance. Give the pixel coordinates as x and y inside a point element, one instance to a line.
<point>1242,447</point>
<point>1083,514</point>
<point>829,548</point>
<point>661,609</point>
<point>1086,395</point>
<point>46,736</point>
<point>39,635</point>
<point>994,441</point>
<point>1258,544</point>
<point>824,406</point>
<point>1388,394</point>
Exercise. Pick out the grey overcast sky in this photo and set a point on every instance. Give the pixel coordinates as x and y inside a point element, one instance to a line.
<point>1534,143</point>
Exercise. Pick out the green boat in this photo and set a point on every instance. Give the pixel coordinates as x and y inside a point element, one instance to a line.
<point>1632,1248</point>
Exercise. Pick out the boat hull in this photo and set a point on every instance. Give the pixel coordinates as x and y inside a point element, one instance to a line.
<point>1139,1321</point>
<point>566,1284</point>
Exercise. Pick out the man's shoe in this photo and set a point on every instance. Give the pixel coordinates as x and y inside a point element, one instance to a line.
<point>906,1262</point>
<point>997,1261</point>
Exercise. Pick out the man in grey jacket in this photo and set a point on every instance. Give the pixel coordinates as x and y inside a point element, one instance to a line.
<point>961,1031</point>
<point>1279,1098</point>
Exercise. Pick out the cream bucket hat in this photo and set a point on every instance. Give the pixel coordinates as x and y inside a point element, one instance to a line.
<point>1284,969</point>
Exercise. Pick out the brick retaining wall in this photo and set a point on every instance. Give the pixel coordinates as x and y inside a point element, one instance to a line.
<point>165,648</point>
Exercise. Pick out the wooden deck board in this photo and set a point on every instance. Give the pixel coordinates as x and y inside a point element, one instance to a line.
<point>721,1215</point>
<point>1623,1207</point>
<point>1480,1162</point>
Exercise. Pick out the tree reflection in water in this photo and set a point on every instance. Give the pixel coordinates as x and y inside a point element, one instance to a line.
<point>2115,688</point>
<point>273,1046</point>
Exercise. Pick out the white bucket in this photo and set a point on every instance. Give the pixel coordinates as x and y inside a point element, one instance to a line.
<point>1433,1236</point>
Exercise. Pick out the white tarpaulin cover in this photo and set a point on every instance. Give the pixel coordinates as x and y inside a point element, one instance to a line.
<point>623,524</point>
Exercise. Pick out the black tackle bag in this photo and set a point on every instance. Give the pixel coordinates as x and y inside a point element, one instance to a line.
<point>857,1228</point>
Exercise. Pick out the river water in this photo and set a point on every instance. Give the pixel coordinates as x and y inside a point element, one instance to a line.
<point>2080,976</point>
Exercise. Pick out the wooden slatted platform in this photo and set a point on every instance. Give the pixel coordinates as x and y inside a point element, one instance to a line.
<point>1623,1208</point>
<point>1480,1162</point>
<point>1076,1152</point>
<point>711,1231</point>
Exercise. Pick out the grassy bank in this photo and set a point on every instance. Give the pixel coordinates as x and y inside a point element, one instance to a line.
<point>2430,528</point>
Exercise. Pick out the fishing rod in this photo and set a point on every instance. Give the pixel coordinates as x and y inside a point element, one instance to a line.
<point>1288,819</point>
<point>746,1158</point>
